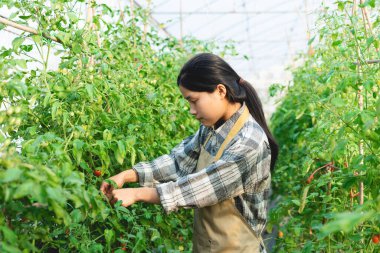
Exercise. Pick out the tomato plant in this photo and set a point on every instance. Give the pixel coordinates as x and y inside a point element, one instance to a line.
<point>112,101</point>
<point>327,124</point>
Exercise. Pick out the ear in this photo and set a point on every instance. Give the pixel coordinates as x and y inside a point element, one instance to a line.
<point>221,89</point>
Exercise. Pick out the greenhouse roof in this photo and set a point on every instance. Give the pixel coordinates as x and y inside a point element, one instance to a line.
<point>268,33</point>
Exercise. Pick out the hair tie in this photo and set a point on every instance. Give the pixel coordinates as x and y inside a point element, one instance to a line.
<point>241,81</point>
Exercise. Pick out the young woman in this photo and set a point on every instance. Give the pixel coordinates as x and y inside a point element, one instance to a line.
<point>223,171</point>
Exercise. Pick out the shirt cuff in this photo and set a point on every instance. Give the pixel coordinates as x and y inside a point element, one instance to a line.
<point>144,171</point>
<point>168,193</point>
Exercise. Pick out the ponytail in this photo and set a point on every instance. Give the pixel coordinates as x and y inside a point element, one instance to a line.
<point>255,107</point>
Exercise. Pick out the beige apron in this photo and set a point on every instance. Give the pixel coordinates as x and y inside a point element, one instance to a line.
<point>221,227</point>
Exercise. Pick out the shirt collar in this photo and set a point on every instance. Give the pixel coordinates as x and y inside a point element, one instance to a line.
<point>225,127</point>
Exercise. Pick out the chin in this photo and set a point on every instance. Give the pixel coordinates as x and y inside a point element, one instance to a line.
<point>207,124</point>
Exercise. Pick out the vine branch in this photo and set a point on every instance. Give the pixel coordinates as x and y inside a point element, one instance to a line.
<point>28,29</point>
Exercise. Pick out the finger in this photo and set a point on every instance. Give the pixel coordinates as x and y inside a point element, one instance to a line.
<point>103,187</point>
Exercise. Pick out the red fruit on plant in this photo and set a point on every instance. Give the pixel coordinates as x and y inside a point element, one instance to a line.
<point>376,239</point>
<point>280,234</point>
<point>97,173</point>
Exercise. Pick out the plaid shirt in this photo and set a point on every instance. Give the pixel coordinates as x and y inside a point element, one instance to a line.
<point>242,173</point>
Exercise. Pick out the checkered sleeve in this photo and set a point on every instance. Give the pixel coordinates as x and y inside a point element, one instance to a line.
<point>181,161</point>
<point>223,179</point>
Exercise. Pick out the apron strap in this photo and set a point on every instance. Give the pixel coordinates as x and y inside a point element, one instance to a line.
<point>207,139</point>
<point>233,132</point>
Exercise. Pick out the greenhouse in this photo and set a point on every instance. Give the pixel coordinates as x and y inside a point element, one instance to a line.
<point>190,126</point>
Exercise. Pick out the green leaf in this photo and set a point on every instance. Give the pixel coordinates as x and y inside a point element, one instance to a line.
<point>52,177</point>
<point>120,152</point>
<point>64,37</point>
<point>109,235</point>
<point>155,235</point>
<point>25,17</point>
<point>26,48</point>
<point>303,199</point>
<point>76,216</point>
<point>77,48</point>
<point>8,234</point>
<point>341,6</point>
<point>90,90</point>
<point>368,3</point>
<point>310,41</point>
<point>78,150</point>
<point>296,201</point>
<point>21,63</point>
<point>378,107</point>
<point>133,156</point>
<point>370,40</point>
<point>345,222</point>
<point>37,39</point>
<point>11,175</point>
<point>72,16</point>
<point>17,42</point>
<point>107,135</point>
<point>54,109</point>
<point>336,43</point>
<point>340,147</point>
<point>59,211</point>
<point>56,195</point>
<point>104,68</point>
<point>368,119</point>
<point>338,102</point>
<point>10,248</point>
<point>24,189</point>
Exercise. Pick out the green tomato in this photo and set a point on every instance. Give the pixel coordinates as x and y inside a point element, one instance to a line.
<point>17,109</point>
<point>10,111</point>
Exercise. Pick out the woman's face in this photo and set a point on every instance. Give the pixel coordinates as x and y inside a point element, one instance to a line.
<point>207,107</point>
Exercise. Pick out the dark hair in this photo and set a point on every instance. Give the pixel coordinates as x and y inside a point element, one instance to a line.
<point>205,71</point>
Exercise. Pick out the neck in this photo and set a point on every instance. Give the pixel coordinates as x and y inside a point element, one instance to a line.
<point>231,110</point>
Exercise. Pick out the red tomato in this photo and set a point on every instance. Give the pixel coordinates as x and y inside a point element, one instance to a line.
<point>97,173</point>
<point>376,239</point>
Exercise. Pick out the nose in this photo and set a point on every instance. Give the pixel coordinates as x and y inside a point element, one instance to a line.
<point>192,110</point>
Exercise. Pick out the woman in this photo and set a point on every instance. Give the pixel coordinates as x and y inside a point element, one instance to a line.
<point>223,171</point>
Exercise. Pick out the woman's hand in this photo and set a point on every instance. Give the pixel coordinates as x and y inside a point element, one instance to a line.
<point>129,196</point>
<point>127,176</point>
